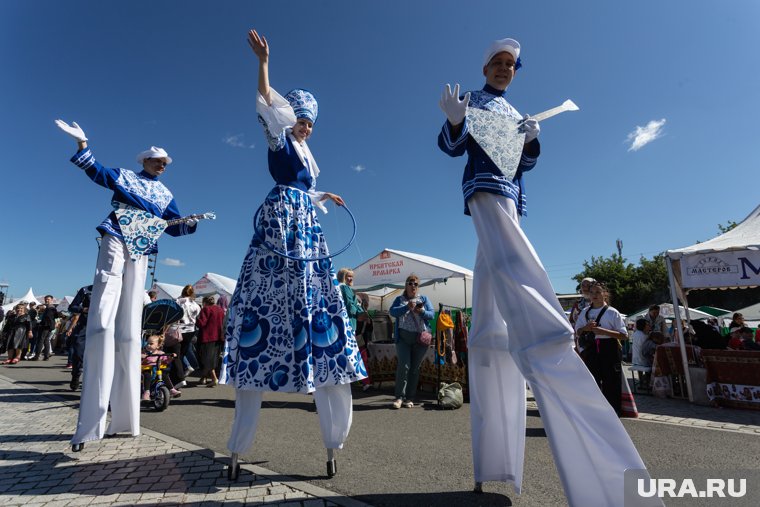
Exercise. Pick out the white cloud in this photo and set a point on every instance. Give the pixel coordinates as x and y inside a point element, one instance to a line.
<point>237,141</point>
<point>358,168</point>
<point>175,263</point>
<point>645,135</point>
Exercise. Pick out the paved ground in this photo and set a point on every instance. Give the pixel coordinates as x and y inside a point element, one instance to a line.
<point>410,457</point>
<point>39,469</point>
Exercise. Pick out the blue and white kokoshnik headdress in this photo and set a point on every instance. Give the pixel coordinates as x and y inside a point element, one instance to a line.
<point>303,103</point>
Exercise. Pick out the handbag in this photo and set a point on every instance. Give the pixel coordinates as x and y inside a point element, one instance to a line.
<point>172,336</point>
<point>424,337</point>
<point>450,396</point>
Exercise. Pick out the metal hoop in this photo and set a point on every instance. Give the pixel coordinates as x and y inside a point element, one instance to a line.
<point>304,259</point>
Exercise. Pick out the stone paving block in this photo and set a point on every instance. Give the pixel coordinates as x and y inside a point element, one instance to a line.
<point>274,498</point>
<point>279,489</point>
<point>105,499</point>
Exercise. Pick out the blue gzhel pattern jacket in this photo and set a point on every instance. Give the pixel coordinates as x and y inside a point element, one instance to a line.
<point>480,173</point>
<point>140,190</point>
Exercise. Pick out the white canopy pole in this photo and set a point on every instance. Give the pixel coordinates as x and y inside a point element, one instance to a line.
<point>679,326</point>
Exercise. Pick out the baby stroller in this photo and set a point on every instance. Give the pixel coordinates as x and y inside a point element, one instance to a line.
<point>157,317</point>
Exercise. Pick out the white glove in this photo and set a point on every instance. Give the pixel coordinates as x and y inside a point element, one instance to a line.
<point>530,127</point>
<point>73,130</point>
<point>192,222</point>
<point>454,108</point>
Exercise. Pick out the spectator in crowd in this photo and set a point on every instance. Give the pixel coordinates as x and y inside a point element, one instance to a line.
<point>76,335</point>
<point>353,306</point>
<point>637,341</point>
<point>210,339</point>
<point>48,314</point>
<point>649,347</point>
<point>656,321</point>
<point>152,295</point>
<point>601,328</point>
<point>742,338</point>
<point>748,339</point>
<point>582,301</point>
<point>364,330</point>
<point>30,348</point>
<point>19,334</point>
<point>187,328</point>
<point>737,321</point>
<point>412,312</point>
<point>152,355</point>
<point>355,310</point>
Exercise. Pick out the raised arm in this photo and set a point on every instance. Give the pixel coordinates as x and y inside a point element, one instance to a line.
<point>260,47</point>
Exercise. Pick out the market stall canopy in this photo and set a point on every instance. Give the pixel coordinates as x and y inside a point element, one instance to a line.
<point>715,312</point>
<point>167,290</point>
<point>751,312</point>
<point>666,310</point>
<point>730,260</point>
<point>212,283</point>
<point>383,276</point>
<point>63,306</point>
<point>27,298</point>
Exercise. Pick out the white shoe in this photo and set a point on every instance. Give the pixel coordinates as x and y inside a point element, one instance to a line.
<point>408,404</point>
<point>190,369</point>
<point>182,384</point>
<point>396,403</point>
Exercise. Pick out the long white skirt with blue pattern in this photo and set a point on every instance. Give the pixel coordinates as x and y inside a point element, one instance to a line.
<point>288,329</point>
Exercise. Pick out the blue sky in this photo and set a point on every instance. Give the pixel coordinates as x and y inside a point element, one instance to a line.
<point>662,150</point>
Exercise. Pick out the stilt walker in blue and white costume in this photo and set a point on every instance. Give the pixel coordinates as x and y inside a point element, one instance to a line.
<point>288,329</point>
<point>519,331</point>
<point>114,326</point>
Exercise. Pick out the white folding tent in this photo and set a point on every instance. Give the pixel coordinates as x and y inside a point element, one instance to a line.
<point>751,312</point>
<point>383,277</point>
<point>167,290</point>
<point>212,283</point>
<point>666,310</point>
<point>28,298</point>
<point>728,261</point>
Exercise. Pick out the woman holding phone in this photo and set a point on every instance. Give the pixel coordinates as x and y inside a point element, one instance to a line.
<point>412,312</point>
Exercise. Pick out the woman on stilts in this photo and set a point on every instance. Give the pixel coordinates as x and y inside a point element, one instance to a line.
<point>288,329</point>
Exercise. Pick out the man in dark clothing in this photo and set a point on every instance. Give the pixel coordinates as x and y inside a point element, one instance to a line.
<point>76,335</point>
<point>46,329</point>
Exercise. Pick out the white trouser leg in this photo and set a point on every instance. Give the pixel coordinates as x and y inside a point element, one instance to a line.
<point>590,445</point>
<point>497,390</point>
<point>247,410</point>
<point>125,390</point>
<point>99,350</point>
<point>335,413</point>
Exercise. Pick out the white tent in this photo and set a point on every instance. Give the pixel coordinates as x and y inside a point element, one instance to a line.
<point>383,277</point>
<point>167,290</point>
<point>64,304</point>
<point>730,260</point>
<point>28,298</point>
<point>750,312</point>
<point>212,283</point>
<point>666,310</point>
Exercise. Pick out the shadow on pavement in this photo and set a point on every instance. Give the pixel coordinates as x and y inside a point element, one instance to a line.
<point>447,499</point>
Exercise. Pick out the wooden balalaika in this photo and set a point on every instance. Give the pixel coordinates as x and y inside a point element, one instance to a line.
<point>141,229</point>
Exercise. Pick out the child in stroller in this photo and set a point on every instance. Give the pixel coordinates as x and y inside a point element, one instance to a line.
<point>156,387</point>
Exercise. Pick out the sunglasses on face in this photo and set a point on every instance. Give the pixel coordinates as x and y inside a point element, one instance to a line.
<point>412,284</point>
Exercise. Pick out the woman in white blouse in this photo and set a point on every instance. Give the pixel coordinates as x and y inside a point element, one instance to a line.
<point>600,329</point>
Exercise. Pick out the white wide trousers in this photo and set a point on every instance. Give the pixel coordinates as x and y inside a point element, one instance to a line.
<point>333,407</point>
<point>112,350</point>
<point>512,291</point>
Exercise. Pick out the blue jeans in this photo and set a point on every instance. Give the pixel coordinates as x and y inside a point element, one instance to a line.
<point>409,355</point>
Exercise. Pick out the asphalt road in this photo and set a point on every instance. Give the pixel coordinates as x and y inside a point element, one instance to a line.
<point>408,457</point>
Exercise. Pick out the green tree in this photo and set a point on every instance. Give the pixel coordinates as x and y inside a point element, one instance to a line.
<point>725,228</point>
<point>631,287</point>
